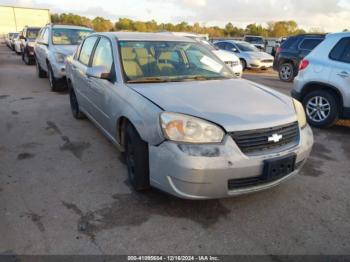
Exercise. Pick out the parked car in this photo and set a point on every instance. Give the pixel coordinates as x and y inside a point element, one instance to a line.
<point>258,41</point>
<point>250,56</point>
<point>8,39</point>
<point>323,82</point>
<point>278,44</point>
<point>52,46</point>
<point>12,41</point>
<point>17,44</point>
<point>28,36</point>
<point>186,124</point>
<point>291,52</point>
<point>227,57</point>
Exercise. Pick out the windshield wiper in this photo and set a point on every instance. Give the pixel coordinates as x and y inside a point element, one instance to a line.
<point>200,78</point>
<point>149,80</point>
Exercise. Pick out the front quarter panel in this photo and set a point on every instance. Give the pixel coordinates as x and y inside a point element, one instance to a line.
<point>141,112</point>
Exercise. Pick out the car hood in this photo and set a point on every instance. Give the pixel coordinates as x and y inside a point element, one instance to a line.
<point>65,49</point>
<point>234,104</point>
<point>260,55</point>
<point>226,56</point>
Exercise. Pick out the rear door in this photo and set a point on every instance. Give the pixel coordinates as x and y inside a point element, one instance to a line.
<point>100,90</point>
<point>340,62</point>
<point>79,67</point>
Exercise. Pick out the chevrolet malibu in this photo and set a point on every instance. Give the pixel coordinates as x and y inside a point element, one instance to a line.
<point>185,123</point>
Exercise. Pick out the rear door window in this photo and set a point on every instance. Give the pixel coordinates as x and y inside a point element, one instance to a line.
<point>289,43</point>
<point>310,44</point>
<point>86,50</point>
<point>341,51</point>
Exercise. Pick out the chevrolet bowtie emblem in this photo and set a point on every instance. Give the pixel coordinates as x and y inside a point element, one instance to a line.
<point>275,138</point>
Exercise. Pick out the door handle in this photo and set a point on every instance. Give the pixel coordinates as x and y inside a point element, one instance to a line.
<point>343,74</point>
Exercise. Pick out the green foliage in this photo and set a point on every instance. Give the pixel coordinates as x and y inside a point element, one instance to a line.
<point>100,24</point>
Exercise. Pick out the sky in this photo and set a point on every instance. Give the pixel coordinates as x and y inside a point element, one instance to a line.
<point>325,15</point>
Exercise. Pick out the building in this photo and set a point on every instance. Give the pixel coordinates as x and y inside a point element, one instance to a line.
<point>13,19</point>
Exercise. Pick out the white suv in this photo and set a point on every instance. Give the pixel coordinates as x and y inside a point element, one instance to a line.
<point>323,82</point>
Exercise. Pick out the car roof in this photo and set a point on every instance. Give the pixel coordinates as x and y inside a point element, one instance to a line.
<point>136,36</point>
<point>342,34</point>
<point>70,26</point>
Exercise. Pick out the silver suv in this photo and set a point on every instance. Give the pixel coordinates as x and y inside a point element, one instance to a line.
<point>323,82</point>
<point>187,125</point>
<point>53,44</point>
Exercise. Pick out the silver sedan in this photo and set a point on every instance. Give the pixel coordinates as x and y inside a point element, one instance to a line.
<point>186,125</point>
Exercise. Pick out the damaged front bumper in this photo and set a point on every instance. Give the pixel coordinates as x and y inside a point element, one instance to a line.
<point>204,171</point>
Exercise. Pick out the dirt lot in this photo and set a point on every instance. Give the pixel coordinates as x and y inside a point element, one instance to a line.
<point>64,190</point>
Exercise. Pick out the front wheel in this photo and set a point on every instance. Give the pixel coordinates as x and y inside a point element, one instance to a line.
<point>286,72</point>
<point>74,105</point>
<point>40,72</point>
<point>55,84</point>
<point>244,64</point>
<point>136,154</point>
<point>26,59</point>
<point>321,108</point>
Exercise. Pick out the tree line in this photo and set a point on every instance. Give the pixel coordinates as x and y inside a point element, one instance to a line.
<point>100,24</point>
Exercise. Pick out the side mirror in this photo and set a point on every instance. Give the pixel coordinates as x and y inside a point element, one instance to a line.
<point>99,72</point>
<point>235,50</point>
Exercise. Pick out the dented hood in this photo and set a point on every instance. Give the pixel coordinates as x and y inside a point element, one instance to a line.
<point>234,104</point>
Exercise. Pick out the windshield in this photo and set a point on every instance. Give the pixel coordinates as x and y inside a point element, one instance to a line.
<point>246,47</point>
<point>14,35</point>
<point>254,40</point>
<point>69,36</point>
<point>32,33</point>
<point>165,61</point>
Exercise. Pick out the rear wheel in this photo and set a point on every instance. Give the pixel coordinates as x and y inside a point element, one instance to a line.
<point>136,154</point>
<point>321,108</point>
<point>286,72</point>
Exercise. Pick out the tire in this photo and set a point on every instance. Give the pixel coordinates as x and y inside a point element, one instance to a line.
<point>244,64</point>
<point>40,72</point>
<point>317,102</point>
<point>74,105</point>
<point>136,155</point>
<point>286,72</point>
<point>55,84</point>
<point>26,59</point>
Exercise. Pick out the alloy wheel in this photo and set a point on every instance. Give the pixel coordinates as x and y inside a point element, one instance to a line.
<point>286,72</point>
<point>318,108</point>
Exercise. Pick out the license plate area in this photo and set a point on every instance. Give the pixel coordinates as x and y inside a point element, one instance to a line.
<point>278,167</point>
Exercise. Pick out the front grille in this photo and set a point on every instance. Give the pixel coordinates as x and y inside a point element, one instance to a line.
<point>257,141</point>
<point>267,61</point>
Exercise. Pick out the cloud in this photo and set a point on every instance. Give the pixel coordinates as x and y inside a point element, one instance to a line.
<point>330,15</point>
<point>195,3</point>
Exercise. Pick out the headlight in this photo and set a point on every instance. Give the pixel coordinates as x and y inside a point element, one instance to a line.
<point>299,109</point>
<point>188,129</point>
<point>60,58</point>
